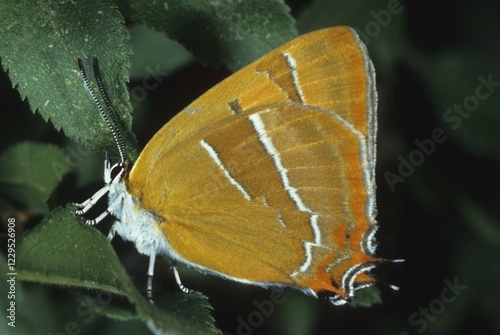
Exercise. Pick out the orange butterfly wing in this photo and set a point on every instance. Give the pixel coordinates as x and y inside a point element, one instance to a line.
<point>268,177</point>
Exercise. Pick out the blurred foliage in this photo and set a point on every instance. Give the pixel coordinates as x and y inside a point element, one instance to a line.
<point>30,172</point>
<point>438,201</point>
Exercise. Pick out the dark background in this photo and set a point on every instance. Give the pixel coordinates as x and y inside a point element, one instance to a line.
<point>442,219</point>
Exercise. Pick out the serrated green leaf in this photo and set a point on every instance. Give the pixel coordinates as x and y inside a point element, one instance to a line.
<point>218,32</point>
<point>39,45</point>
<point>63,251</point>
<point>29,172</point>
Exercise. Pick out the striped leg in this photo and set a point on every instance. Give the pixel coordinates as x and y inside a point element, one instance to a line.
<point>151,269</point>
<point>90,202</point>
<point>178,279</point>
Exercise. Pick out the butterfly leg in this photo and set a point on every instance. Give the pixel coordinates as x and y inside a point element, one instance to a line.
<point>151,269</point>
<point>112,232</point>
<point>85,206</point>
<point>178,279</point>
<point>116,202</point>
<point>90,202</point>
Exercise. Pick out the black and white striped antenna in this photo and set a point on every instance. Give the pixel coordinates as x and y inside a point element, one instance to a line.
<point>108,114</point>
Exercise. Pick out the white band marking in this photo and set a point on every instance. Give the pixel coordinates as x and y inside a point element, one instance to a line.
<point>293,66</point>
<point>266,141</point>
<point>280,220</point>
<point>271,150</point>
<point>308,245</point>
<point>351,274</point>
<point>211,151</point>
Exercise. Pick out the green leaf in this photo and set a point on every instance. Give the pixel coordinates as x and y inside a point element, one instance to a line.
<point>29,172</point>
<point>63,251</point>
<point>367,297</point>
<point>39,45</point>
<point>218,32</point>
<point>77,255</point>
<point>155,54</point>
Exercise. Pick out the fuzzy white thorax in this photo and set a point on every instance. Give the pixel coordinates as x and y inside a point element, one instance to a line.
<point>134,223</point>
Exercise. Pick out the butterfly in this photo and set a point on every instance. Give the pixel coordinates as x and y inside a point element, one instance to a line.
<point>267,179</point>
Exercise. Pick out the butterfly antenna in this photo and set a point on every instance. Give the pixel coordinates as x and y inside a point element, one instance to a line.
<point>108,117</point>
